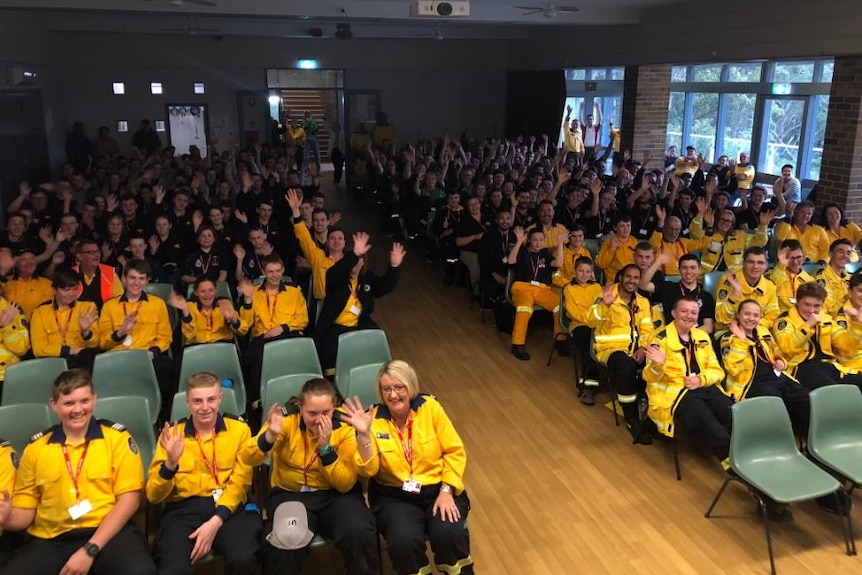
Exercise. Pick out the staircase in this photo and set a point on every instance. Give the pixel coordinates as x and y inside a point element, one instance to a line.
<point>297,102</point>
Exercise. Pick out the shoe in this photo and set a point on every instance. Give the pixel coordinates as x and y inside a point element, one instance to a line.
<point>520,351</point>
<point>564,347</point>
<point>587,396</point>
<point>639,432</point>
<point>777,512</point>
<point>827,503</point>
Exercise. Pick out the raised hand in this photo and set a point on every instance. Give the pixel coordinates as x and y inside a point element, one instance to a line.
<point>660,214</point>
<point>177,301</point>
<point>240,216</point>
<point>294,198</point>
<point>784,256</point>
<point>358,418</point>
<point>520,235</point>
<point>159,191</point>
<point>765,216</point>
<point>173,442</point>
<point>396,255</point>
<point>734,283</point>
<point>361,243</point>
<point>9,314</point>
<point>239,252</point>
<point>709,217</point>
<point>274,422</point>
<point>246,289</point>
<point>154,243</point>
<point>86,320</point>
<point>334,218</point>
<point>609,295</point>
<point>227,310</point>
<point>664,258</point>
<point>655,354</point>
<point>737,330</point>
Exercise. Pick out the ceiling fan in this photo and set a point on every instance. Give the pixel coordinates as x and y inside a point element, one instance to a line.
<point>190,30</point>
<point>181,3</point>
<point>550,10</point>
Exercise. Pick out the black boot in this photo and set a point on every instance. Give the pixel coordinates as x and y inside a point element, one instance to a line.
<point>640,433</point>
<point>520,351</point>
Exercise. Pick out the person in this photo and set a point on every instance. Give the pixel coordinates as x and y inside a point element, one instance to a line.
<point>248,265</point>
<point>667,293</point>
<point>814,239</point>
<point>98,282</point>
<point>578,297</point>
<point>531,286</point>
<point>8,466</point>
<point>273,311</point>
<point>468,237</point>
<point>574,141</point>
<point>572,252</point>
<point>320,260</point>
<point>198,475</point>
<point>65,327</point>
<point>747,283</point>
<point>591,127</point>
<point>417,488</point>
<point>80,521</point>
<point>741,174</point>
<point>789,274</point>
<point>26,289</point>
<point>727,244</point>
<point>311,128</point>
<point>683,380</point>
<point>666,239</point>
<point>446,222</point>
<point>206,261</point>
<point>138,320</point>
<point>14,337</point>
<point>618,250</point>
<point>803,334</point>
<point>847,334</point>
<point>788,185</point>
<point>622,323</point>
<point>755,368</point>
<point>833,277</point>
<point>837,226</point>
<point>209,318</point>
<point>545,221</point>
<point>313,455</point>
<point>350,297</point>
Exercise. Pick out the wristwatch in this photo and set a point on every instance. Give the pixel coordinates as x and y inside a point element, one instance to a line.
<point>446,488</point>
<point>91,548</point>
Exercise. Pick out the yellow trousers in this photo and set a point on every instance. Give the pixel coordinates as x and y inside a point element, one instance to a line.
<point>524,296</point>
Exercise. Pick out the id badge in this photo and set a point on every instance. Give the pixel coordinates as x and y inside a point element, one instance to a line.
<point>355,310</point>
<point>127,341</point>
<point>505,260</point>
<point>307,489</point>
<point>411,486</point>
<point>534,283</point>
<point>777,372</point>
<point>684,232</point>
<point>715,247</point>
<point>80,509</point>
<point>642,231</point>
<point>217,493</point>
<point>792,300</point>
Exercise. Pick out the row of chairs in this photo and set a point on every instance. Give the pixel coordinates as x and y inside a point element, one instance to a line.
<point>766,459</point>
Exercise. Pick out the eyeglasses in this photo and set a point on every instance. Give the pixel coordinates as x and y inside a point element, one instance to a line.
<point>726,221</point>
<point>91,252</point>
<point>399,389</point>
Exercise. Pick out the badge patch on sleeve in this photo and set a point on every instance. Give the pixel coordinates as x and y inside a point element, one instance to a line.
<point>133,447</point>
<point>722,294</point>
<point>781,325</point>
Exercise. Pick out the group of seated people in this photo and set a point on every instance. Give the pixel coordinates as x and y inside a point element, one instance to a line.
<point>77,486</point>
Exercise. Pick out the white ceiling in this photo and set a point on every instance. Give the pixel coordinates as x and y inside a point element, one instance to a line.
<point>293,18</point>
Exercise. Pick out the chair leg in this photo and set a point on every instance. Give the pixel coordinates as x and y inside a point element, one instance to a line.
<point>718,496</point>
<point>551,354</point>
<point>676,458</point>
<point>846,525</point>
<point>850,520</point>
<point>612,390</point>
<point>765,515</point>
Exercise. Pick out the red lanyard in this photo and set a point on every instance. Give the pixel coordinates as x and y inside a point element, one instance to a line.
<point>259,267</point>
<point>271,303</point>
<point>695,292</point>
<point>793,284</point>
<point>758,347</point>
<point>63,329</point>
<point>74,476</point>
<point>205,266</point>
<point>314,455</point>
<point>535,266</point>
<point>407,447</point>
<point>208,316</point>
<point>505,243</point>
<point>688,355</point>
<point>137,308</point>
<point>211,465</point>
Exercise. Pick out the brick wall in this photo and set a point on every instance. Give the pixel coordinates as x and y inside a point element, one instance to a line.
<point>841,170</point>
<point>646,93</point>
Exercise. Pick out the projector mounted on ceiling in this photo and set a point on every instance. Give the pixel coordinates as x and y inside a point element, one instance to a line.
<point>440,9</point>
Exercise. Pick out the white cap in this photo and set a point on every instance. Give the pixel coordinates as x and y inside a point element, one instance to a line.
<point>290,527</point>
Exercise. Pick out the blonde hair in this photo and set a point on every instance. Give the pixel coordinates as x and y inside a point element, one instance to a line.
<point>202,379</point>
<point>403,372</point>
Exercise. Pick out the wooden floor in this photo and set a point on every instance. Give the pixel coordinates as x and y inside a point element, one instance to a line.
<point>555,487</point>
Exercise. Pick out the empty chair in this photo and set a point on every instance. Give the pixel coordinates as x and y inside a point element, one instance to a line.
<point>131,412</point>
<point>128,372</point>
<point>282,388</point>
<point>30,381</point>
<point>180,409</point>
<point>220,358</point>
<point>711,281</point>
<point>359,347</point>
<point>163,290</point>
<point>20,422</point>
<point>362,383</point>
<point>764,457</point>
<point>287,356</point>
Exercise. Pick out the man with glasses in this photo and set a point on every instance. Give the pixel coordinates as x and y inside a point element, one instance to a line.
<point>99,282</point>
<point>726,246</point>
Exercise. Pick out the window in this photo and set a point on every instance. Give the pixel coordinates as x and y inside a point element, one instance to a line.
<point>122,126</point>
<point>704,117</point>
<point>793,72</point>
<point>160,125</point>
<point>821,110</point>
<point>707,73</point>
<point>782,131</point>
<point>576,74</point>
<point>738,124</point>
<point>826,74</point>
<point>199,88</point>
<point>679,74</point>
<point>675,116</point>
<point>747,72</point>
<point>618,73</point>
<point>155,88</point>
<point>597,74</point>
<point>119,88</point>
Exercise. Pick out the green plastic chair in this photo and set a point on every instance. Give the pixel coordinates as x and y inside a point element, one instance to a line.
<point>564,322</point>
<point>282,388</point>
<point>711,281</point>
<point>131,411</point>
<point>764,456</point>
<point>180,409</point>
<point>592,246</point>
<point>128,372</point>
<point>853,267</point>
<point>835,434</point>
<point>30,381</point>
<point>359,347</point>
<point>287,356</point>
<point>811,269</point>
<point>363,383</point>
<point>220,358</point>
<point>20,422</point>
<point>163,290</point>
